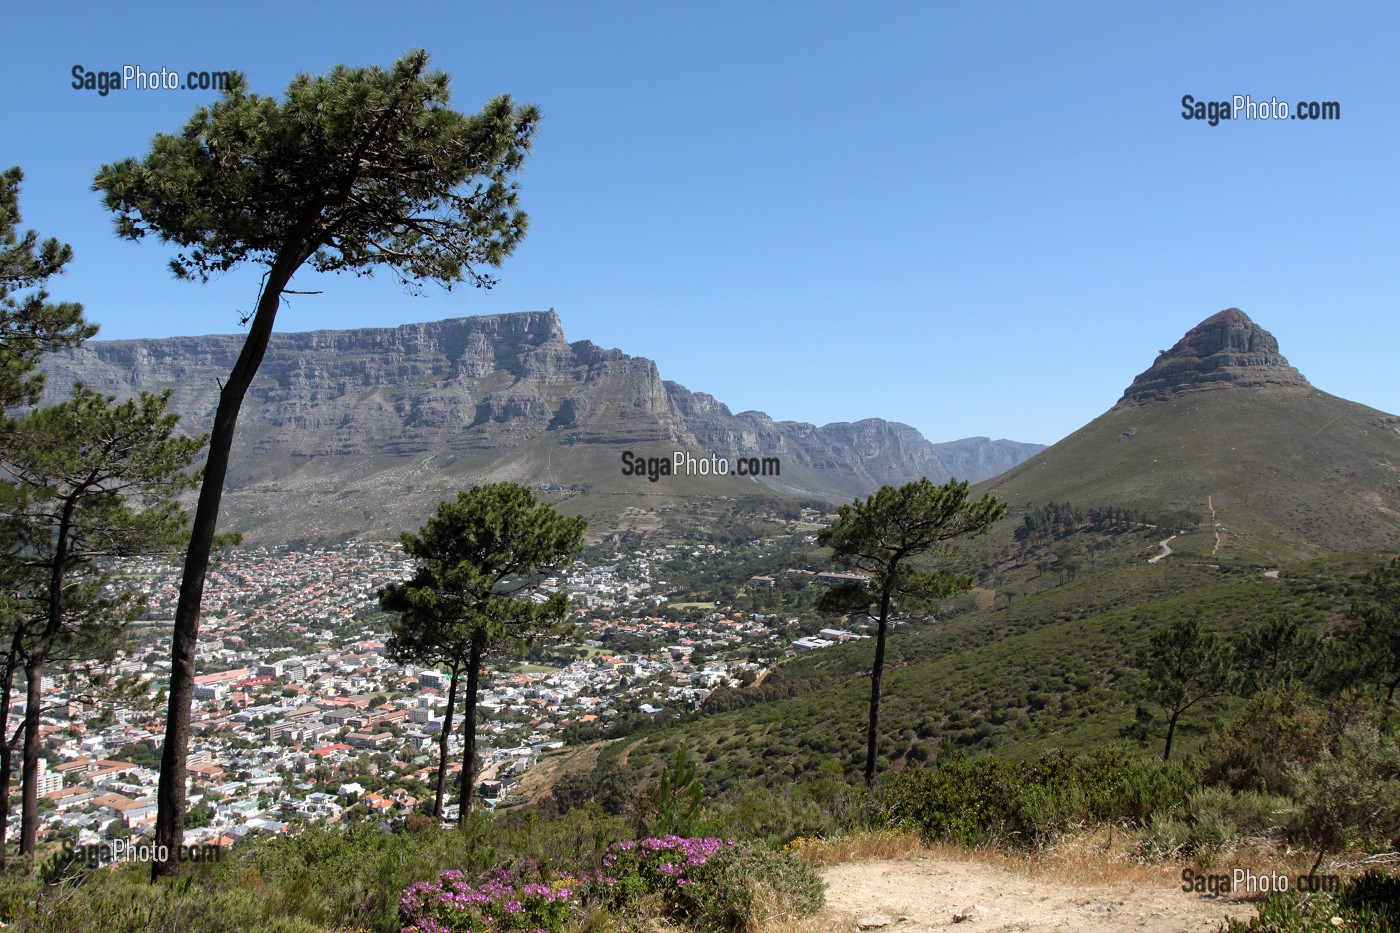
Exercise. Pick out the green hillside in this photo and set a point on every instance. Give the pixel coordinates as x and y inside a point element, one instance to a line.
<point>1052,670</point>
<point>1266,490</point>
<point>1289,471</point>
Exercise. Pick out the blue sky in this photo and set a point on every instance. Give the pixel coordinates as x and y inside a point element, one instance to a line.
<point>972,218</point>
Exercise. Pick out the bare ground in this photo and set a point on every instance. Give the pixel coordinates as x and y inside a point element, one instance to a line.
<point>537,783</point>
<point>937,893</point>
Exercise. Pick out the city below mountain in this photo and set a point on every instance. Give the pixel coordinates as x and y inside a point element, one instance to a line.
<point>362,432</point>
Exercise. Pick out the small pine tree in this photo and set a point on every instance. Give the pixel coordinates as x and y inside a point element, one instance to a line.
<point>1184,665</point>
<point>678,797</point>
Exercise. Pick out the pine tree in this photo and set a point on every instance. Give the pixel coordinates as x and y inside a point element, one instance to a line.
<point>30,325</point>
<point>86,479</point>
<point>469,597</point>
<point>1184,665</point>
<point>1373,641</point>
<point>883,537</point>
<point>355,170</point>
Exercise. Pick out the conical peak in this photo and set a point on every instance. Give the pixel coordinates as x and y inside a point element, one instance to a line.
<point>1226,350</point>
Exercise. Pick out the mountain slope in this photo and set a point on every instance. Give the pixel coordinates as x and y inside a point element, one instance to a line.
<point>1222,421</point>
<point>364,431</point>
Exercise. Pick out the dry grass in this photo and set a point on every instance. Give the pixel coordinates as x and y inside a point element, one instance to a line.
<point>823,921</point>
<point>1103,855</point>
<point>771,915</point>
<point>885,844</point>
<point>539,781</point>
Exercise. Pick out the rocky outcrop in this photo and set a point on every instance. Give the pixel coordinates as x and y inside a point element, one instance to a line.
<point>1225,350</point>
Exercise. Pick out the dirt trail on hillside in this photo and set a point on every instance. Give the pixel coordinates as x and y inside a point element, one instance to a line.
<point>938,893</point>
<point>1215,523</point>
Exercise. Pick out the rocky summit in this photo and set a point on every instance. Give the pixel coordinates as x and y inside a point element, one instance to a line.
<point>1222,433</point>
<point>1224,350</point>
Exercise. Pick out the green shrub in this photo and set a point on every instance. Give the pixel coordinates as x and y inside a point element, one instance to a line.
<point>709,884</point>
<point>1351,794</point>
<point>1212,822</point>
<point>1278,731</point>
<point>124,901</point>
<point>1246,812</point>
<point>744,886</point>
<point>1165,837</point>
<point>1374,891</point>
<point>1367,904</point>
<point>973,800</point>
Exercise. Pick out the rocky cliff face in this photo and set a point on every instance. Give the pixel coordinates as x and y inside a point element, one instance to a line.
<point>401,414</point>
<point>1226,349</point>
<point>470,382</point>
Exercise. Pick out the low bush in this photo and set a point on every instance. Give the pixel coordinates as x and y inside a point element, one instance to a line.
<point>709,884</point>
<point>1366,904</point>
<point>1212,822</point>
<point>972,801</point>
<point>501,902</point>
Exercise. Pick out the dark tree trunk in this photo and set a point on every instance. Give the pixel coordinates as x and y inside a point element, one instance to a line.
<point>1171,731</point>
<point>872,738</point>
<point>468,779</point>
<point>6,768</point>
<point>443,735</point>
<point>7,742</point>
<point>171,793</point>
<point>29,789</point>
<point>34,687</point>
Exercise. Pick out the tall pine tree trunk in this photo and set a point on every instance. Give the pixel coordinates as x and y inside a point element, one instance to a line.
<point>7,766</point>
<point>171,793</point>
<point>7,743</point>
<point>29,789</point>
<point>444,734</point>
<point>468,779</point>
<point>1171,733</point>
<point>34,688</point>
<point>872,738</point>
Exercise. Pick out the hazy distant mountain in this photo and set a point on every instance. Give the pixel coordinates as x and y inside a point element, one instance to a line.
<point>1222,420</point>
<point>364,431</point>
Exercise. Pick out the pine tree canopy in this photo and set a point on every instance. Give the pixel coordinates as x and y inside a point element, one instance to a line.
<point>354,169</point>
<point>474,558</point>
<point>30,325</point>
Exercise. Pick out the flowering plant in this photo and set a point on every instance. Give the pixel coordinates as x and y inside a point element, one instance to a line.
<point>499,903</point>
<point>667,861</point>
<point>707,883</point>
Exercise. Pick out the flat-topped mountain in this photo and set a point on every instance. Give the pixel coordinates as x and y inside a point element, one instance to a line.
<point>364,431</point>
<point>1222,422</point>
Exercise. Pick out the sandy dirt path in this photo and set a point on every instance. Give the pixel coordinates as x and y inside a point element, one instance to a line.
<point>937,893</point>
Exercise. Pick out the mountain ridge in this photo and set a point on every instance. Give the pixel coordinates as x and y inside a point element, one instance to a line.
<point>410,414</point>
